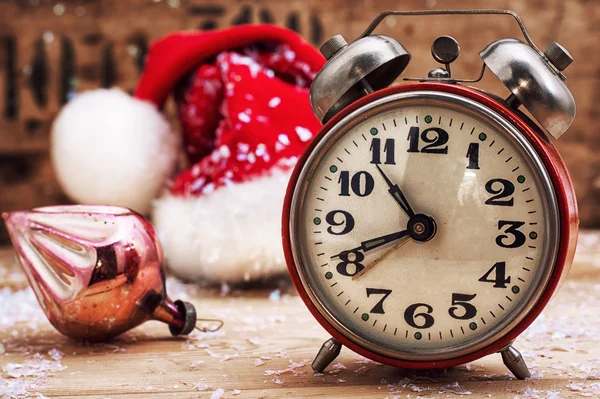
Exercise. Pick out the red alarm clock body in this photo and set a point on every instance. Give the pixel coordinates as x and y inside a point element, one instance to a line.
<point>429,223</point>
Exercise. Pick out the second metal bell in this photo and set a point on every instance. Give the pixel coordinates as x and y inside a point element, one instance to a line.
<point>535,81</point>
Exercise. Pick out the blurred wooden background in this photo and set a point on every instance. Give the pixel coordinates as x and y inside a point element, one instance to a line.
<point>51,49</point>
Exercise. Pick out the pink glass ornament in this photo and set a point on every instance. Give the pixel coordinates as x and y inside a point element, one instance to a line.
<point>97,271</point>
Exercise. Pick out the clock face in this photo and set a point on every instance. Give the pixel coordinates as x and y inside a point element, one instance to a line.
<point>424,226</point>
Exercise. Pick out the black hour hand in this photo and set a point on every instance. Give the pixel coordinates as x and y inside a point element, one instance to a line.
<point>377,242</point>
<point>397,194</point>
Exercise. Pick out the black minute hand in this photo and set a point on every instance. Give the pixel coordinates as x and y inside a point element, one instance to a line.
<point>373,243</point>
<point>398,195</point>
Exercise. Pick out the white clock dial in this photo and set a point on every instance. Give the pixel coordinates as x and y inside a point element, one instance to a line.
<point>425,228</point>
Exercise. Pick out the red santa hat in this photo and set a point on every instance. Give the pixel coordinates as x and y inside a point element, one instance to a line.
<point>242,99</point>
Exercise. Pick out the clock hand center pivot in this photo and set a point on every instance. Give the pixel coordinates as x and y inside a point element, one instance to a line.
<point>421,227</point>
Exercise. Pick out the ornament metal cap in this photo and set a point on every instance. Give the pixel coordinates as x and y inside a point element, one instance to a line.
<point>97,271</point>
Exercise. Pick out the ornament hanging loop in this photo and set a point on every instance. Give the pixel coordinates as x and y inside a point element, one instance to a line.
<point>215,325</point>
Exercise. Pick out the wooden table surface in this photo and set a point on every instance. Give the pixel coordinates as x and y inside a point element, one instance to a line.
<point>268,342</point>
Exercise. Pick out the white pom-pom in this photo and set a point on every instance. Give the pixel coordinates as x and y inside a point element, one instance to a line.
<point>110,148</point>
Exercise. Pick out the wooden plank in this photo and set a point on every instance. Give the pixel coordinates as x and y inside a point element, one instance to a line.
<point>146,363</point>
<point>268,341</point>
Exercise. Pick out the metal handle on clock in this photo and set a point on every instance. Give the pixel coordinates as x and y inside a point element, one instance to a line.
<point>383,15</point>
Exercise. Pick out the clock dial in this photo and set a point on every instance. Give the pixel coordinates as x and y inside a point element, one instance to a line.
<point>425,228</point>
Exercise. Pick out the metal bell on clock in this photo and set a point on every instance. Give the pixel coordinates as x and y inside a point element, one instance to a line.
<point>354,70</point>
<point>535,80</point>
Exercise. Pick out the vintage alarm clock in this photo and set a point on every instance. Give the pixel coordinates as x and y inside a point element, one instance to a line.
<point>429,223</point>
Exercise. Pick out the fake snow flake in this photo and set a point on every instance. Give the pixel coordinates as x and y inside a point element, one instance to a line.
<point>224,357</point>
<point>32,367</point>
<point>454,388</point>
<point>339,366</point>
<point>228,357</point>
<point>224,151</point>
<point>277,380</point>
<point>243,148</point>
<point>215,156</point>
<point>281,353</point>
<point>537,374</point>
<point>575,387</point>
<point>198,184</point>
<point>292,369</point>
<point>334,372</point>
<point>236,392</point>
<point>55,354</point>
<point>20,306</point>
<point>405,383</point>
<point>196,170</point>
<point>196,363</point>
<point>15,388</point>
<point>238,59</point>
<point>27,376</point>
<point>201,386</point>
<point>261,150</point>
<point>275,296</point>
<point>283,139</point>
<point>209,188</point>
<point>361,370</point>
<point>274,102</point>
<point>289,55</point>
<point>258,362</point>
<point>244,117</point>
<point>211,87</point>
<point>303,133</point>
<point>530,393</point>
<point>218,394</point>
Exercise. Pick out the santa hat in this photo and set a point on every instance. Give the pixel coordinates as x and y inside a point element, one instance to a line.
<point>242,98</point>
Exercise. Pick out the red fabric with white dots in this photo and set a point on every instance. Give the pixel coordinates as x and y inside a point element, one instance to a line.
<point>244,114</point>
<point>246,109</point>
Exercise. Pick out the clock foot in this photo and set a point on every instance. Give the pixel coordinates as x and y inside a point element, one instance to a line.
<point>327,354</point>
<point>513,360</point>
